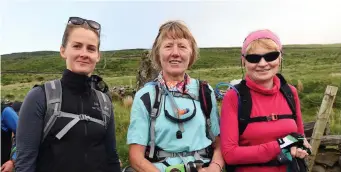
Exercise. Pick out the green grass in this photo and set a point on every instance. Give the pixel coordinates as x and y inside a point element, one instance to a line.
<point>316,66</point>
<point>121,122</point>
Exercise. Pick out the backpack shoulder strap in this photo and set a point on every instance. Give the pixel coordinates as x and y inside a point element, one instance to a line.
<point>105,105</point>
<point>154,112</point>
<point>53,93</point>
<point>205,100</point>
<point>146,99</point>
<point>288,95</point>
<point>244,106</point>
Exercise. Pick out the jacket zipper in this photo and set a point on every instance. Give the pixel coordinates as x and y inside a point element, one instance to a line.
<point>85,130</point>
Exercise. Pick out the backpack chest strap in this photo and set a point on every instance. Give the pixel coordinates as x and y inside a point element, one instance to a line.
<point>76,119</point>
<point>187,95</point>
<point>272,117</point>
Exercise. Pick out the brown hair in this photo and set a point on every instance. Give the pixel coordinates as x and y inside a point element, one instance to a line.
<point>70,27</point>
<point>175,30</point>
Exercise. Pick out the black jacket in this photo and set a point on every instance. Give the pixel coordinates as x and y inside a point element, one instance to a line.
<point>87,147</point>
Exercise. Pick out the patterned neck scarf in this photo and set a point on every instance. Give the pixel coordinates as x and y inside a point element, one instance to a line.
<point>178,86</point>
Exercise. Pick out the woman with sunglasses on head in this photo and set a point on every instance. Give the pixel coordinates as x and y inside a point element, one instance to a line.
<point>261,123</point>
<point>67,125</point>
<point>169,130</point>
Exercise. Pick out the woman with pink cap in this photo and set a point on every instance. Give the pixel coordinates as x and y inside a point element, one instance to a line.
<point>261,121</point>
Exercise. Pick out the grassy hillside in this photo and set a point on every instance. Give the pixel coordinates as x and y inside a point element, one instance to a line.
<point>315,66</point>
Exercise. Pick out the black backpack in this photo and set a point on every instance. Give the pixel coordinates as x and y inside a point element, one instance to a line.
<point>245,105</point>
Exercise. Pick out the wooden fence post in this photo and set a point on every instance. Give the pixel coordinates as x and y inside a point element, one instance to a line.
<point>322,119</point>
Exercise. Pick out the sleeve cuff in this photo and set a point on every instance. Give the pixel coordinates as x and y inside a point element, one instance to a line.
<point>136,141</point>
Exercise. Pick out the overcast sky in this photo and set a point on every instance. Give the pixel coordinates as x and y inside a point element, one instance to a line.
<point>39,25</point>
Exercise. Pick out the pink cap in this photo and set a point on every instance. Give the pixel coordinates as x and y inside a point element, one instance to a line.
<point>259,34</point>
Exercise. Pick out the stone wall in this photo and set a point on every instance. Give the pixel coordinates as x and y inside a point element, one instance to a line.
<point>146,72</point>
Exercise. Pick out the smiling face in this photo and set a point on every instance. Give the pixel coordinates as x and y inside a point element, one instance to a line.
<point>81,51</point>
<point>175,55</point>
<point>262,71</point>
<point>174,49</point>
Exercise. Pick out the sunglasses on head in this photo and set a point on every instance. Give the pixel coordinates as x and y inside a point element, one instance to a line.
<point>79,21</point>
<point>268,57</point>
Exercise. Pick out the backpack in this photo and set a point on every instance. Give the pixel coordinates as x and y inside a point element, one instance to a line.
<point>245,107</point>
<point>53,93</point>
<point>154,111</point>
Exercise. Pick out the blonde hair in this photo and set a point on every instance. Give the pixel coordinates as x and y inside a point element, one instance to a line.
<point>263,42</point>
<point>176,30</point>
